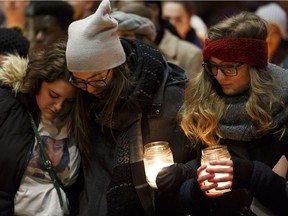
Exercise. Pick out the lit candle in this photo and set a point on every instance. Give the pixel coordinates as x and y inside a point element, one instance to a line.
<point>217,152</point>
<point>156,156</point>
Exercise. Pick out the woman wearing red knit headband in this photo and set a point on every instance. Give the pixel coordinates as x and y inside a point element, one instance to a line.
<point>238,100</point>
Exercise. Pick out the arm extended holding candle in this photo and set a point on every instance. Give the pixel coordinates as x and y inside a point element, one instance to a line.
<point>187,183</point>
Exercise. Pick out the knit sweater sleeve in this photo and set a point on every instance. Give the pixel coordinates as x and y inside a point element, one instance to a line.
<point>265,185</point>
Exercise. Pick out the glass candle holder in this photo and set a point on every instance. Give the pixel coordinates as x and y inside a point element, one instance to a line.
<point>156,156</point>
<point>217,152</point>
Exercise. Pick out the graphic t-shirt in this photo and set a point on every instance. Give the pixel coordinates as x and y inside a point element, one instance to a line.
<point>37,194</point>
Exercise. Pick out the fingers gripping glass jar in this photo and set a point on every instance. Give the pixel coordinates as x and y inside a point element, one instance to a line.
<point>217,152</point>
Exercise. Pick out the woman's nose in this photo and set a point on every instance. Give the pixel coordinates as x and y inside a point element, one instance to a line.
<point>57,106</point>
<point>90,89</point>
<point>220,75</point>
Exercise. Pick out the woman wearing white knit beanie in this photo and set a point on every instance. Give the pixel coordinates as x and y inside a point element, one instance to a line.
<point>129,96</point>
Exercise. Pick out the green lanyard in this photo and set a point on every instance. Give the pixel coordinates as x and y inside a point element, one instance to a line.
<point>47,162</point>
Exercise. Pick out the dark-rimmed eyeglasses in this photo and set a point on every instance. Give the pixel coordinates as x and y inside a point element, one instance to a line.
<point>227,70</point>
<point>97,84</point>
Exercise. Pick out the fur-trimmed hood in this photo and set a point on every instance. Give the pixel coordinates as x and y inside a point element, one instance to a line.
<point>13,71</point>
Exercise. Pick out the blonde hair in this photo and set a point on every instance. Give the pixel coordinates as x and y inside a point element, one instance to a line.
<point>204,103</point>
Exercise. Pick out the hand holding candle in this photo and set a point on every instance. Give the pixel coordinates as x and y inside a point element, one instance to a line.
<point>216,173</point>
<point>156,156</point>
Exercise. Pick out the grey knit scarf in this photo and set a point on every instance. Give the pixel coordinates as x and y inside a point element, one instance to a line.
<point>236,125</point>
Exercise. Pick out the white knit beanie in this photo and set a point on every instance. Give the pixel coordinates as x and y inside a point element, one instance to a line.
<point>93,44</point>
<point>273,13</point>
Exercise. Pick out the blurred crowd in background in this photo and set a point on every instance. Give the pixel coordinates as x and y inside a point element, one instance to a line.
<point>186,34</point>
<point>160,23</point>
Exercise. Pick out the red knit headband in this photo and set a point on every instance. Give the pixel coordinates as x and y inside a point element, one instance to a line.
<point>250,51</point>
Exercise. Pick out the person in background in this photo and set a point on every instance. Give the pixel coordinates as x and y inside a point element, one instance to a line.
<point>237,100</point>
<point>276,18</point>
<point>37,92</point>
<point>178,51</point>
<point>149,9</point>
<point>137,7</point>
<point>48,23</point>
<point>132,26</point>
<point>83,8</point>
<point>13,42</point>
<point>2,18</point>
<point>200,27</point>
<point>14,13</point>
<point>130,96</point>
<point>179,14</point>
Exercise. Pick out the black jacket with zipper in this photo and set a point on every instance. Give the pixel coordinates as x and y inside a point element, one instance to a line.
<point>16,143</point>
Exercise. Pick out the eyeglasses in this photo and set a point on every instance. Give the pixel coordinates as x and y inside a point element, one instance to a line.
<point>227,70</point>
<point>97,84</point>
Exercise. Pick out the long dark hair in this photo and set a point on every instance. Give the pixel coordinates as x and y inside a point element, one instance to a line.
<point>86,104</point>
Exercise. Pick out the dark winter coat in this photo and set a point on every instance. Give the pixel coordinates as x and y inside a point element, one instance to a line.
<point>116,184</point>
